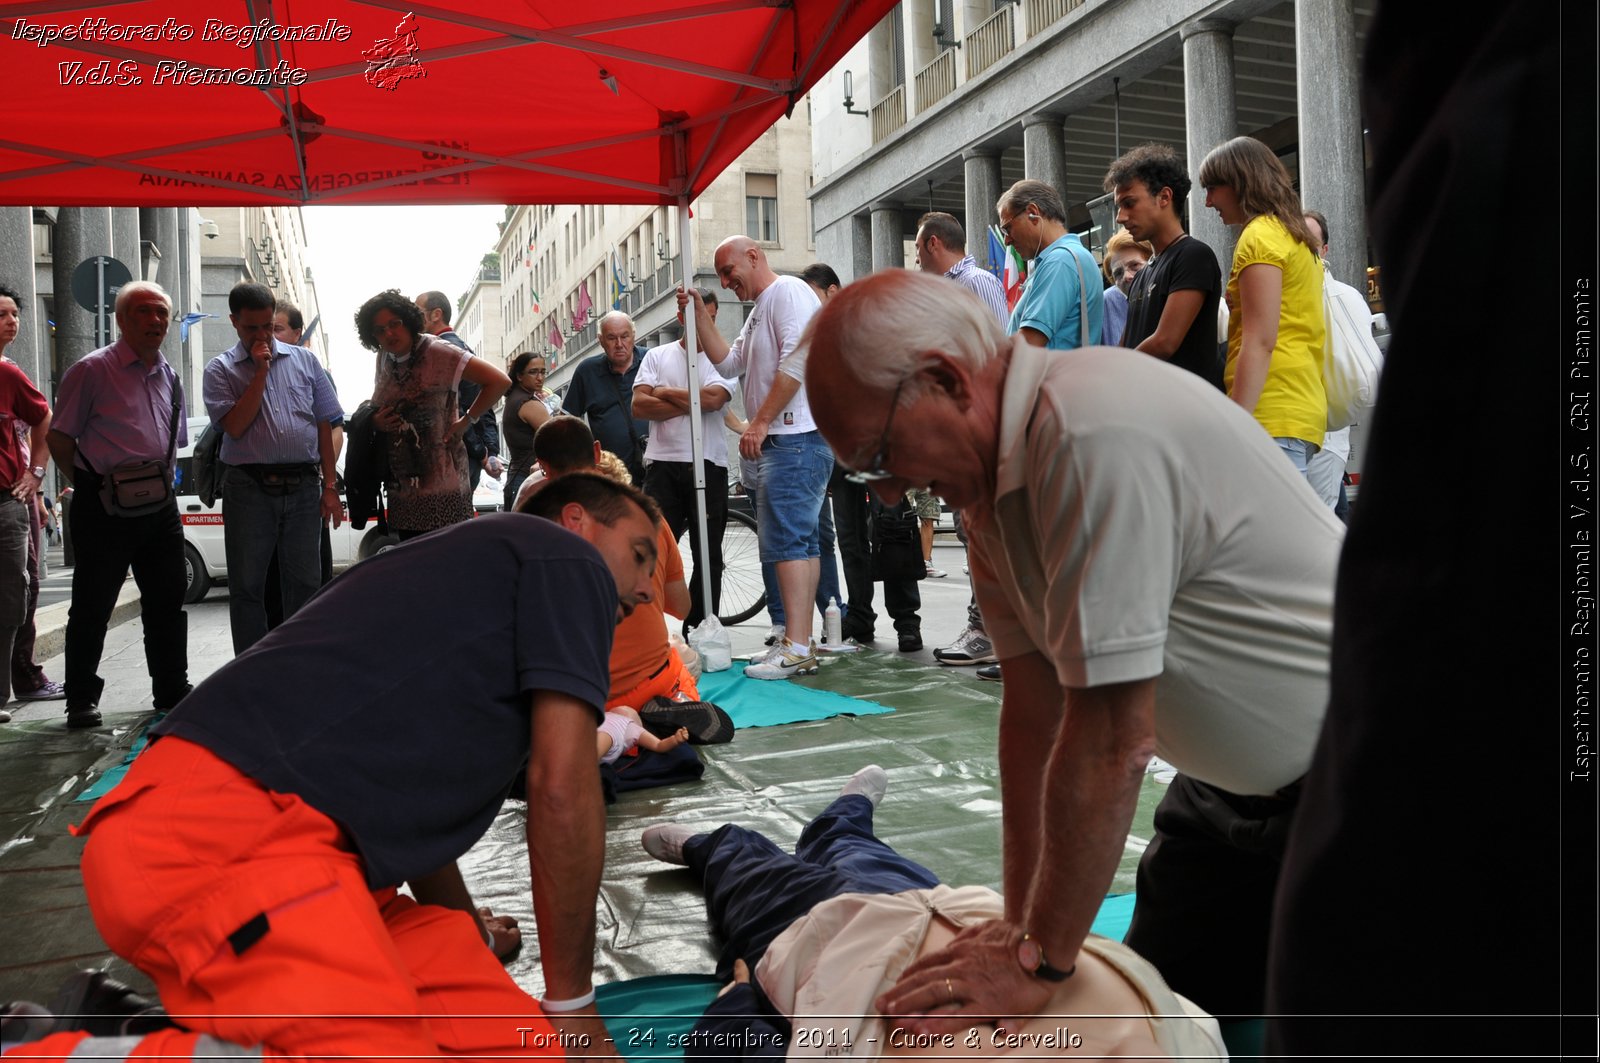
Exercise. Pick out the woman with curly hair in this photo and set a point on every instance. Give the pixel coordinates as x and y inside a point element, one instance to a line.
<point>1274,297</point>
<point>529,404</point>
<point>415,395</point>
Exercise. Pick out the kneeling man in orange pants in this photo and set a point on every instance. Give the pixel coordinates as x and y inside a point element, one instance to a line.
<point>249,861</point>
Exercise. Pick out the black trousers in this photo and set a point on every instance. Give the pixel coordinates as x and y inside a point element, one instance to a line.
<point>1205,890</point>
<point>105,547</point>
<point>852,511</point>
<point>671,484</point>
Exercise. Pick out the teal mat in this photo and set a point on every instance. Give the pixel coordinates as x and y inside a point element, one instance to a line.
<point>108,781</point>
<point>763,703</point>
<point>650,1017</point>
<point>1116,913</point>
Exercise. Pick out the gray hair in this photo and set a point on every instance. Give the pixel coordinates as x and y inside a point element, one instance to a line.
<point>127,292</point>
<point>879,331</point>
<point>601,326</point>
<point>1016,198</point>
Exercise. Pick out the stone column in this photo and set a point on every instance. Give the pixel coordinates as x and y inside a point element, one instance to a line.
<point>16,273</point>
<point>1044,154</point>
<point>1332,167</point>
<point>164,232</point>
<point>81,232</point>
<point>860,245</point>
<point>888,236</point>
<point>983,188</point>
<point>1210,117</point>
<point>125,240</point>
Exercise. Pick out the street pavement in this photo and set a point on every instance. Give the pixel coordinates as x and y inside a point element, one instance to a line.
<point>944,615</point>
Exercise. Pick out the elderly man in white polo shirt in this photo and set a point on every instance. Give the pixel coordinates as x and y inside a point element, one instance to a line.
<point>1155,581</point>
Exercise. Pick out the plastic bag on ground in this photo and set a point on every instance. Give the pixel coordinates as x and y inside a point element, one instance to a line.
<point>712,642</point>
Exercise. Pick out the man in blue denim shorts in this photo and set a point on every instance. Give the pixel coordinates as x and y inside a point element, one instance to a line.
<point>795,461</point>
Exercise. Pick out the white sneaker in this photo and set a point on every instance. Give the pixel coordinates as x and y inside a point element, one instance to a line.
<point>664,841</point>
<point>775,635</point>
<point>935,573</point>
<point>786,660</point>
<point>871,782</point>
<point>970,647</point>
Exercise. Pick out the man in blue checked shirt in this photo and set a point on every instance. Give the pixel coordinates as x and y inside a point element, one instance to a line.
<point>275,406</point>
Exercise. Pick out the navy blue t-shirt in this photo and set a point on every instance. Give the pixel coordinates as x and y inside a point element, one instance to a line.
<point>396,702</point>
<point>606,399</point>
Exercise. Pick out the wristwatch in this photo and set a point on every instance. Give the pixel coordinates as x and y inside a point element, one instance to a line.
<point>1030,955</point>
<point>38,472</point>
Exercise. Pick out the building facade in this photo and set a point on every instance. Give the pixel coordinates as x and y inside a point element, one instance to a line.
<point>946,103</point>
<point>563,267</point>
<point>477,313</point>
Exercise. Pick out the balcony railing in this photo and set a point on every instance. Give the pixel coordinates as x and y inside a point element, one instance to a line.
<point>936,80</point>
<point>992,41</point>
<point>889,114</point>
<point>1041,13</point>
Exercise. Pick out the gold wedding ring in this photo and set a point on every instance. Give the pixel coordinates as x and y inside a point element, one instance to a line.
<point>948,988</point>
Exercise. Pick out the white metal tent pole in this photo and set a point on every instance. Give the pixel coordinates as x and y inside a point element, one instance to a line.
<point>691,349</point>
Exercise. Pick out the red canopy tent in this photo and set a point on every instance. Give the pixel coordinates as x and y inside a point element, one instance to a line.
<point>257,102</point>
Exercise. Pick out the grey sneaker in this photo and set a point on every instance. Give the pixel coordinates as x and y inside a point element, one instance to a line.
<point>664,841</point>
<point>782,663</point>
<point>971,647</point>
<point>871,782</point>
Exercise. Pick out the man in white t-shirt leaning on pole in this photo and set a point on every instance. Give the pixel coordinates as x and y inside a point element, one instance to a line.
<point>661,396</point>
<point>795,461</point>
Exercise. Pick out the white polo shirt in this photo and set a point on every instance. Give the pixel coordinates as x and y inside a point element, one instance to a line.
<point>665,366</point>
<point>1145,526</point>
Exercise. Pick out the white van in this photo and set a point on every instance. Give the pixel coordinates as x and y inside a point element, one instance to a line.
<point>206,562</point>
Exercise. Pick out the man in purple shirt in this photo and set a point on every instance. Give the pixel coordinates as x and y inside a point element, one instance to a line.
<point>276,409</point>
<point>114,406</point>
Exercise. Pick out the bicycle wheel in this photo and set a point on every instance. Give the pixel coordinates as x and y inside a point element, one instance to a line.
<point>743,593</point>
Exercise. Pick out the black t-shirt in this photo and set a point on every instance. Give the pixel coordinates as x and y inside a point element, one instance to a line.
<point>396,702</point>
<point>1186,265</point>
<point>607,400</point>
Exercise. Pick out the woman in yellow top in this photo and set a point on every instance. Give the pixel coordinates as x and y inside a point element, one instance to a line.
<point>1274,297</point>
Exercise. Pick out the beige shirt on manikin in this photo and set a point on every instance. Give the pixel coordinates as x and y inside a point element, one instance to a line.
<point>1145,526</point>
<point>826,969</point>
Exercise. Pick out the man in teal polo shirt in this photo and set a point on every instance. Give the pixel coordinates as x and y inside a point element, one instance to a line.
<point>1063,293</point>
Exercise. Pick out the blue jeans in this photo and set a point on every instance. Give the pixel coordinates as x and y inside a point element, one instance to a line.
<point>255,524</point>
<point>827,579</point>
<point>1298,451</point>
<point>754,890</point>
<point>794,481</point>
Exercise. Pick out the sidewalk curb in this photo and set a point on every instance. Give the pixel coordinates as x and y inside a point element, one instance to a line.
<point>51,621</point>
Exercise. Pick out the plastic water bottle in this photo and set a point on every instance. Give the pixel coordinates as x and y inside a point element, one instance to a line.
<point>830,624</point>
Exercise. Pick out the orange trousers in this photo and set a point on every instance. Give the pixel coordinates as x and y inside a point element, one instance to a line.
<point>250,911</point>
<point>672,681</point>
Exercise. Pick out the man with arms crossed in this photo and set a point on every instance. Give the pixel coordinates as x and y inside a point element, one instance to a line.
<point>795,459</point>
<point>1156,580</point>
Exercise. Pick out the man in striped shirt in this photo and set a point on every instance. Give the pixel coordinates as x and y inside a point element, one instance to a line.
<point>942,248</point>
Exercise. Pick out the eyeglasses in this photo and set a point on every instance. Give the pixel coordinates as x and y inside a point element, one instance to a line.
<point>875,471</point>
<point>1005,228</point>
<point>535,372</point>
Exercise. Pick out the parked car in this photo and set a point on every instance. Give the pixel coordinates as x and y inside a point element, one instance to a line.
<point>205,560</point>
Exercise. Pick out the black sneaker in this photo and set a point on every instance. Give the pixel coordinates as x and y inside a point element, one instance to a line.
<point>990,671</point>
<point>910,643</point>
<point>96,1003</point>
<point>706,723</point>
